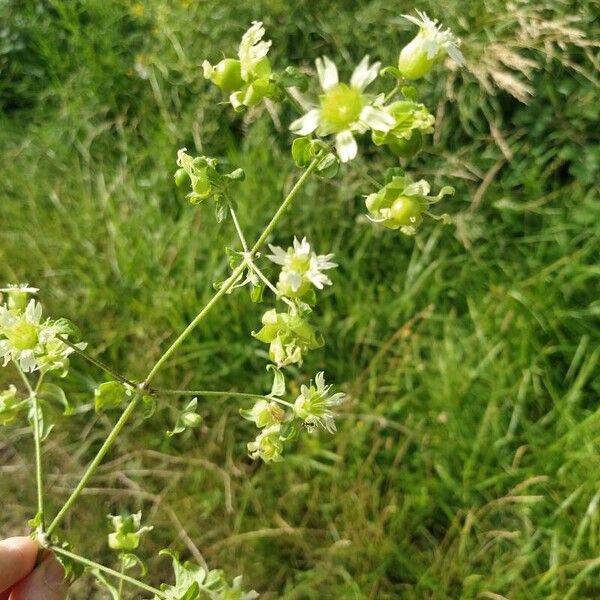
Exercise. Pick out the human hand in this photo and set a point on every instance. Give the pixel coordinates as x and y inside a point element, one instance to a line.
<point>20,579</point>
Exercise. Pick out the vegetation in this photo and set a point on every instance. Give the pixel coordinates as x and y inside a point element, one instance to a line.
<point>466,459</point>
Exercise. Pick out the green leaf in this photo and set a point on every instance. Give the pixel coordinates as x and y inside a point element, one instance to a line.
<point>109,394</point>
<point>130,560</point>
<point>221,210</point>
<point>301,151</point>
<point>73,569</point>
<point>54,394</point>
<point>391,71</point>
<point>149,406</point>
<point>410,92</point>
<point>45,418</point>
<point>35,523</point>
<point>292,77</point>
<point>69,328</point>
<point>328,166</point>
<point>189,579</point>
<point>278,388</point>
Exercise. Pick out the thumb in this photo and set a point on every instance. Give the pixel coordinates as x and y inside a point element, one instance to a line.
<point>45,583</point>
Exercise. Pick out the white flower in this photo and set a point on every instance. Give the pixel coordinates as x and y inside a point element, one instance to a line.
<point>301,267</point>
<point>431,43</point>
<point>31,343</point>
<point>21,331</point>
<point>312,405</point>
<point>252,50</point>
<point>344,108</point>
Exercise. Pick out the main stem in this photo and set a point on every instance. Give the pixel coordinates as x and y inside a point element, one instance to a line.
<point>112,436</point>
<point>37,439</point>
<point>107,570</point>
<point>227,285</point>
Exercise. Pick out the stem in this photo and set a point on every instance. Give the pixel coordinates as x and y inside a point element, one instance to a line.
<point>207,393</point>
<point>227,285</point>
<point>112,436</point>
<point>107,570</point>
<point>234,276</point>
<point>238,229</point>
<point>293,101</point>
<point>121,580</point>
<point>37,436</point>
<point>104,367</point>
<point>37,440</point>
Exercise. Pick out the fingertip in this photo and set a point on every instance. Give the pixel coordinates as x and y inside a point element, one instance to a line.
<point>17,559</point>
<point>45,583</point>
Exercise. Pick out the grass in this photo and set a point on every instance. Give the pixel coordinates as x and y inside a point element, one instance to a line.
<point>466,465</point>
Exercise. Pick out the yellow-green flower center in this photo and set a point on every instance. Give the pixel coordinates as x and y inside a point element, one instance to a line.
<point>341,106</point>
<point>23,336</point>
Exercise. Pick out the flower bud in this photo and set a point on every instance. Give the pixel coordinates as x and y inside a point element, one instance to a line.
<point>427,48</point>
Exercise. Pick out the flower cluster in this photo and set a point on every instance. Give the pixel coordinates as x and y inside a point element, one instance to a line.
<point>311,409</point>
<point>401,203</point>
<point>247,79</point>
<point>30,342</point>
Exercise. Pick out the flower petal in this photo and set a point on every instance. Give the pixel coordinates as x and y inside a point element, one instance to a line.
<point>328,74</point>
<point>377,118</point>
<point>345,145</point>
<point>307,123</point>
<point>364,74</point>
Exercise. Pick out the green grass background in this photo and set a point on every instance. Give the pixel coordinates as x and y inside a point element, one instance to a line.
<point>466,463</point>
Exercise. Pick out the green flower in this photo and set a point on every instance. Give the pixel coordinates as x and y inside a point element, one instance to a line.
<point>128,531</point>
<point>401,204</point>
<point>429,46</point>
<point>10,405</point>
<point>290,336</point>
<point>264,414</point>
<point>313,403</point>
<point>411,121</point>
<point>344,109</point>
<point>301,268</point>
<point>267,445</point>
<point>247,79</point>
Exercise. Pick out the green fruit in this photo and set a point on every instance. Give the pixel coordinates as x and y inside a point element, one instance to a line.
<point>406,210</point>
<point>181,177</point>
<point>228,75</point>
<point>406,148</point>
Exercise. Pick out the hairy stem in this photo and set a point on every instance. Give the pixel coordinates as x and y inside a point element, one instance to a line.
<point>107,570</point>
<point>112,436</point>
<point>121,580</point>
